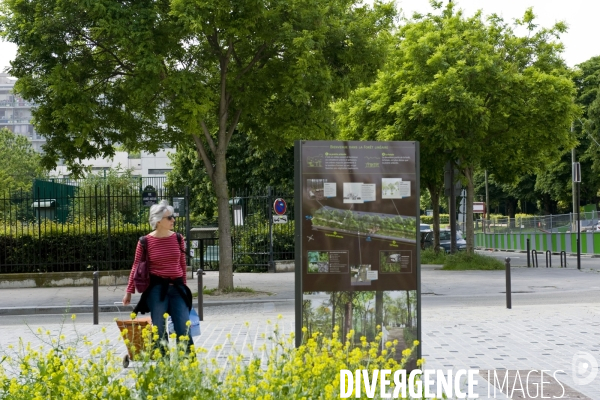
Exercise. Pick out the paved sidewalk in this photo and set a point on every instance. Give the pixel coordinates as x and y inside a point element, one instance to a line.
<point>57,300</point>
<point>465,323</point>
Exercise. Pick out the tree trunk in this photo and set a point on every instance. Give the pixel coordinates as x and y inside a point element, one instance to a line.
<point>434,192</point>
<point>379,308</point>
<point>348,321</point>
<point>511,206</point>
<point>469,233</point>
<point>333,310</point>
<point>408,314</point>
<point>225,249</point>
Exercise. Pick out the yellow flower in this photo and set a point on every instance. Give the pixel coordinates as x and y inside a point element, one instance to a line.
<point>416,343</point>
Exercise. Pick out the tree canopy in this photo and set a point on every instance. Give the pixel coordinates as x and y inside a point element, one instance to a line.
<point>472,91</point>
<point>147,73</point>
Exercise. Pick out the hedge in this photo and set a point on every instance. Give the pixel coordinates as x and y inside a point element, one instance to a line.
<point>69,251</point>
<point>428,219</point>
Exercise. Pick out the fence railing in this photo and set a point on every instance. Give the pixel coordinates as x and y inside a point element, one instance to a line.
<point>561,223</point>
<point>67,225</point>
<point>59,228</point>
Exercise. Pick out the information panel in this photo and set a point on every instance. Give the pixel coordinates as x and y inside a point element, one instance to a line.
<point>357,258</point>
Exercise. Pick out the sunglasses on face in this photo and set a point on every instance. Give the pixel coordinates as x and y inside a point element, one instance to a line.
<point>170,217</point>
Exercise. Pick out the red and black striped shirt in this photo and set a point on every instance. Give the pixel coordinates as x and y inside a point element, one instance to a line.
<point>165,258</point>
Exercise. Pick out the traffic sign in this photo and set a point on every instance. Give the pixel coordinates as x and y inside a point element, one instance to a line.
<point>280,219</point>
<point>280,206</point>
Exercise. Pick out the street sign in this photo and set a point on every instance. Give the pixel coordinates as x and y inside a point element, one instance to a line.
<point>178,206</point>
<point>478,207</point>
<point>576,172</point>
<point>280,206</point>
<point>149,196</point>
<point>280,219</point>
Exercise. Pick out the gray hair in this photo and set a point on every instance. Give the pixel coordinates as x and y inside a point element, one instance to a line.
<point>157,212</point>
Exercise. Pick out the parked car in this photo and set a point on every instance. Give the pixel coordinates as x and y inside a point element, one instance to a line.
<point>424,228</point>
<point>427,241</point>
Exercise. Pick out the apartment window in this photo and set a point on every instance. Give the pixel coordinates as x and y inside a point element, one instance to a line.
<point>158,171</point>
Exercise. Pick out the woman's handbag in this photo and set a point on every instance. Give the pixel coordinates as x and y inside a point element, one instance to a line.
<point>141,277</point>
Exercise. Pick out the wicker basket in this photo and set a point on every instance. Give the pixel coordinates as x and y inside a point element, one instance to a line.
<point>134,333</point>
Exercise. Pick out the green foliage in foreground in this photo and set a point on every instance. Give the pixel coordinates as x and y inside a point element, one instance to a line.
<point>84,370</point>
<point>462,261</point>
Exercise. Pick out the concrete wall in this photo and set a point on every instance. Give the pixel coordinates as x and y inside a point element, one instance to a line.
<point>555,242</point>
<point>285,266</point>
<point>59,279</point>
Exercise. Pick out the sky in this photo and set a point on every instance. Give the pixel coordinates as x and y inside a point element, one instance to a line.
<point>580,15</point>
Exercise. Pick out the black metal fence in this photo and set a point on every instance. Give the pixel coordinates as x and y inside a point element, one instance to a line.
<point>257,241</point>
<point>59,227</point>
<point>65,225</point>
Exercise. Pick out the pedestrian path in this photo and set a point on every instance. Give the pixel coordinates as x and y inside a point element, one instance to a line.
<point>529,338</point>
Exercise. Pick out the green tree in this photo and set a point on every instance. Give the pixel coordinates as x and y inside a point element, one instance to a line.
<point>555,181</point>
<point>249,166</point>
<point>147,73</point>
<point>19,163</point>
<point>471,91</point>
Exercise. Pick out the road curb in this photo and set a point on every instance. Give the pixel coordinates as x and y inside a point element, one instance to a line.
<point>88,309</point>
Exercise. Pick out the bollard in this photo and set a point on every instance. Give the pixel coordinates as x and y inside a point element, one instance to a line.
<point>528,255</point>
<point>199,275</point>
<point>508,289</point>
<point>578,249</point>
<point>563,254</point>
<point>548,259</point>
<point>534,259</point>
<point>96,283</point>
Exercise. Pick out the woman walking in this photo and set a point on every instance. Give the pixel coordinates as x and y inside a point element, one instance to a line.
<point>168,292</point>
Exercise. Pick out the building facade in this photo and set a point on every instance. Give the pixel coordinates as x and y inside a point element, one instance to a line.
<point>15,113</point>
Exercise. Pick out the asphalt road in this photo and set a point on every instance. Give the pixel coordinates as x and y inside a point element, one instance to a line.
<point>529,286</point>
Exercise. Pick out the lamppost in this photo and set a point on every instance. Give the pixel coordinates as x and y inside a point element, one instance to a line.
<point>577,181</point>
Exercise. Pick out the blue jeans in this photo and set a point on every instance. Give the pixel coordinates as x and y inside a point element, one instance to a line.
<point>174,305</point>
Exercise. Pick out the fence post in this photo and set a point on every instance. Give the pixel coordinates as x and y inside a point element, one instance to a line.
<point>270,206</point>
<point>199,275</point>
<point>108,227</point>
<point>95,291</point>
<point>39,218</point>
<point>187,229</point>
<point>201,247</point>
<point>528,254</point>
<point>508,288</point>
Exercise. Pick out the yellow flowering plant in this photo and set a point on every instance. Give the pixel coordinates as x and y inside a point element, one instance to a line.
<point>275,370</point>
